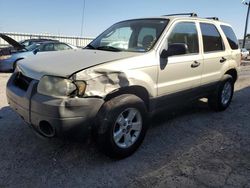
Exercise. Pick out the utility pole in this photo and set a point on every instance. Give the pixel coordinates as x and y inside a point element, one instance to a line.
<point>245,33</point>
<point>83,12</point>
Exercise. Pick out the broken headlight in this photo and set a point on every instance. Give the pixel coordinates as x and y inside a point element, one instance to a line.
<point>60,87</point>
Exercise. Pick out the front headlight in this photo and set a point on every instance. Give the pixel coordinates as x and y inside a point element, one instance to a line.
<point>60,87</point>
<point>4,57</point>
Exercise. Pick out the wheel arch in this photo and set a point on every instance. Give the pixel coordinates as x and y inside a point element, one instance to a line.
<point>136,90</point>
<point>233,73</point>
<point>14,64</point>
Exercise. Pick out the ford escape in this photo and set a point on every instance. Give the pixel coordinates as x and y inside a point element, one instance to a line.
<point>128,72</point>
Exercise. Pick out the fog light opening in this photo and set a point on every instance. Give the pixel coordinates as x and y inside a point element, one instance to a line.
<point>46,129</point>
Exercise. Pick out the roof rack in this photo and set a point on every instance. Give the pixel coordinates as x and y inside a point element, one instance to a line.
<point>213,18</point>
<point>183,14</point>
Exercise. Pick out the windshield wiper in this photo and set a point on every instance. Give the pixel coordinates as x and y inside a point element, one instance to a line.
<point>109,48</point>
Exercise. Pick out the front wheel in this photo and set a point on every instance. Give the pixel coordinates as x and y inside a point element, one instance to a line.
<point>121,126</point>
<point>222,97</point>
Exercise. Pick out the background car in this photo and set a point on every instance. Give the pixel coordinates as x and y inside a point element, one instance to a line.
<point>244,53</point>
<point>53,46</point>
<point>29,42</point>
<point>17,51</point>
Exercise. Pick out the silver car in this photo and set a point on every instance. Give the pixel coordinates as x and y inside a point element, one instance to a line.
<point>244,53</point>
<point>11,55</point>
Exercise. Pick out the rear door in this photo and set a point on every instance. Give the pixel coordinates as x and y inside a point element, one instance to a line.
<point>215,53</point>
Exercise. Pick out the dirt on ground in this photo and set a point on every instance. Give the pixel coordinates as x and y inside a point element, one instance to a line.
<point>189,147</point>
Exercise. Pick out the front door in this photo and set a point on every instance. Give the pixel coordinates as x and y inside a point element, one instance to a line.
<point>181,72</point>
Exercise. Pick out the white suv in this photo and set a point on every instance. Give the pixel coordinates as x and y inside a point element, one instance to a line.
<point>128,72</point>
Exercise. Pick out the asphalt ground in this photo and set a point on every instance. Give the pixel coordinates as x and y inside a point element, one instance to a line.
<point>191,146</point>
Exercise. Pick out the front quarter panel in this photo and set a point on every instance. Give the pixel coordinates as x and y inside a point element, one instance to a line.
<point>137,71</point>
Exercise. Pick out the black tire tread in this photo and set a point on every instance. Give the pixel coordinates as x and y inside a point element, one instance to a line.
<point>214,100</point>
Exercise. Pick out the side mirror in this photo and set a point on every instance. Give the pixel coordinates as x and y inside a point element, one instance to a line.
<point>35,51</point>
<point>174,49</point>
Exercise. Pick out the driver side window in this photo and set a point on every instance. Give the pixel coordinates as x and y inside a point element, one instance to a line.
<point>186,33</point>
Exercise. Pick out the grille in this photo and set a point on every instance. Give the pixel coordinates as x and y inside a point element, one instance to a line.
<point>22,81</point>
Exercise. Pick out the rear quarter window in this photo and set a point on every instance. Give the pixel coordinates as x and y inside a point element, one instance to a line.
<point>231,37</point>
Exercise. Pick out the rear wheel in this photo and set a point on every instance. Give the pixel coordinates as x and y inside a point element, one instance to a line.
<point>121,126</point>
<point>222,97</point>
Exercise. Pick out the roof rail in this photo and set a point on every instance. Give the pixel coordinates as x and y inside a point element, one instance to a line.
<point>213,18</point>
<point>183,14</point>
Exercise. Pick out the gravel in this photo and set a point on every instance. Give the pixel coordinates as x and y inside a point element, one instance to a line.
<point>191,146</point>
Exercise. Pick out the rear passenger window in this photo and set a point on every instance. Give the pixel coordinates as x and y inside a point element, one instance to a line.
<point>212,40</point>
<point>47,47</point>
<point>185,32</point>
<point>231,38</point>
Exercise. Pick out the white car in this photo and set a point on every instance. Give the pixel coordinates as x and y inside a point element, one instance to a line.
<point>160,62</point>
<point>244,53</point>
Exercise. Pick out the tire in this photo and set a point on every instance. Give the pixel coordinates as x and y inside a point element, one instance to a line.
<point>222,97</point>
<point>113,120</point>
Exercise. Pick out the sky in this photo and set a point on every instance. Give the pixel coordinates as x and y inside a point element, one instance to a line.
<point>64,17</point>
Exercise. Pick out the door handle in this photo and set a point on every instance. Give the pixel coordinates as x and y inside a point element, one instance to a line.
<point>222,60</point>
<point>195,64</point>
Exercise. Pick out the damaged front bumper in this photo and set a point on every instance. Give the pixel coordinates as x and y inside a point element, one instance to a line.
<point>48,115</point>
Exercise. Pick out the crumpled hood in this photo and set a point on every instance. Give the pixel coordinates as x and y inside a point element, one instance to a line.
<point>65,63</point>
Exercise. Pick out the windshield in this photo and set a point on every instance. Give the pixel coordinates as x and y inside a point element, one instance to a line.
<point>133,36</point>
